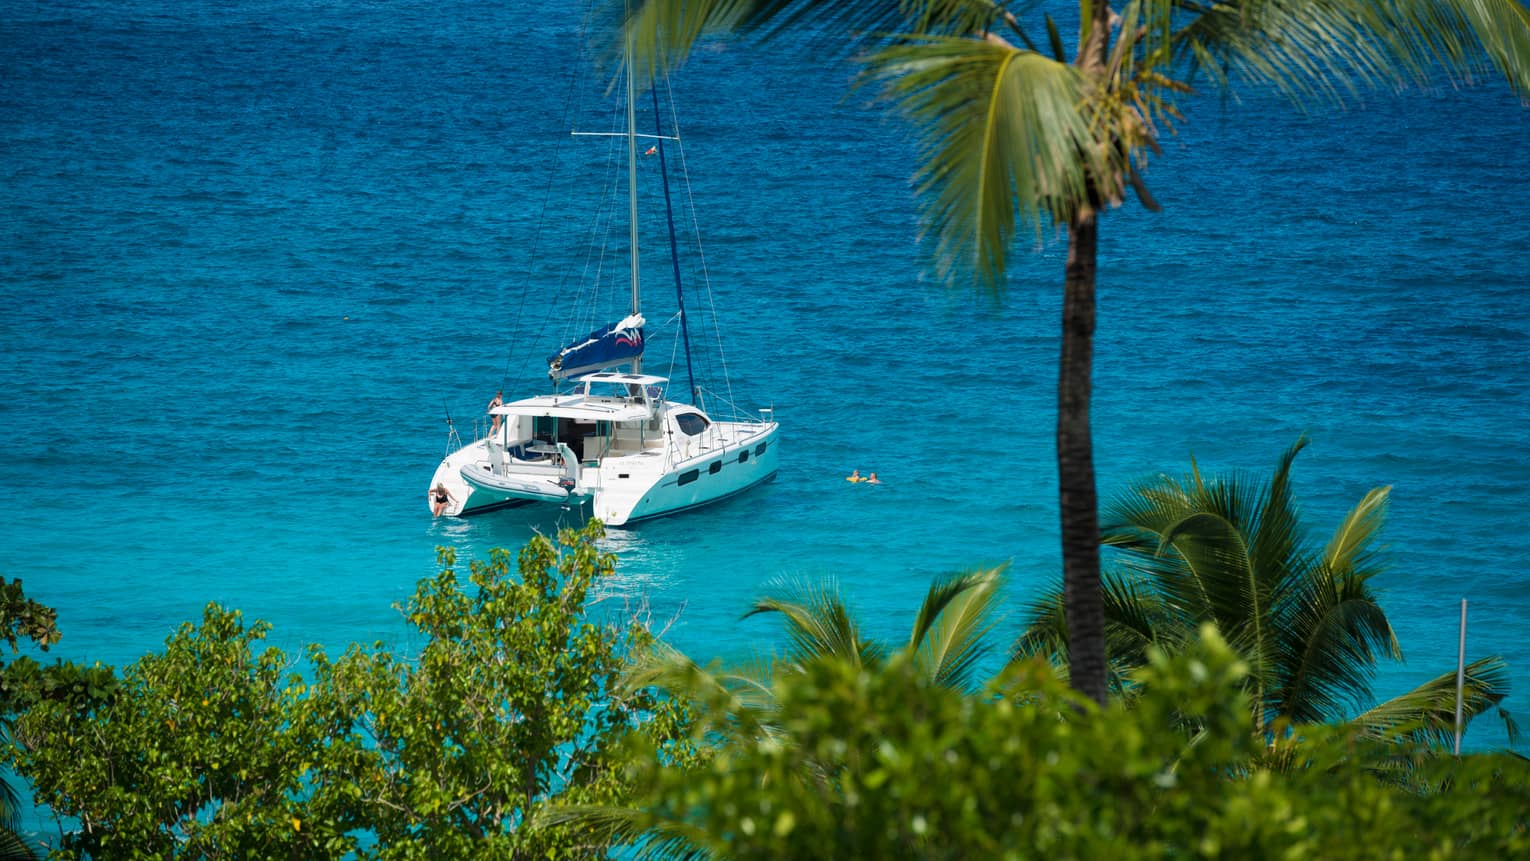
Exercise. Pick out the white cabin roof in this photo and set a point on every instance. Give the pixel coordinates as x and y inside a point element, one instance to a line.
<point>613,377</point>
<point>580,406</point>
<point>575,407</point>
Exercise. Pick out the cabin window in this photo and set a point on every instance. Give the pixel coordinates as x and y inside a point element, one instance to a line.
<point>691,424</point>
<point>715,468</point>
<point>760,449</point>
<point>743,456</point>
<point>688,476</point>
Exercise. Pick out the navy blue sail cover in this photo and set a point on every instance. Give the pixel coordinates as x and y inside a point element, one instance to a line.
<point>603,348</point>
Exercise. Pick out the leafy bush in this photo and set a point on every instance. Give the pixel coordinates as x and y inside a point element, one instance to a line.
<point>878,762</point>
<point>217,748</point>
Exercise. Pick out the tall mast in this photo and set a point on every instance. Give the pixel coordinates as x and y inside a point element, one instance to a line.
<point>632,201</point>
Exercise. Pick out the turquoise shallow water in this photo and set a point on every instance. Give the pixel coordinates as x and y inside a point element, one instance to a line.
<point>251,253</point>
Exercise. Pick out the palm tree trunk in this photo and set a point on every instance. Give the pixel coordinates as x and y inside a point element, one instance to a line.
<point>1075,465</point>
<point>1079,502</point>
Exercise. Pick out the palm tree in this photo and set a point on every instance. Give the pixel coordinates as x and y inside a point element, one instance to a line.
<point>1014,132</point>
<point>947,645</point>
<point>1232,551</point>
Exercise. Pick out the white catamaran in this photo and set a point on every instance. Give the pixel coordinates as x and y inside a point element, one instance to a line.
<point>608,436</point>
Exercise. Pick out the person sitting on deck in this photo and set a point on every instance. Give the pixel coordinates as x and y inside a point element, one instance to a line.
<point>439,497</point>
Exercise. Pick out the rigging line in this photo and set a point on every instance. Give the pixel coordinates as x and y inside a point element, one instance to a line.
<point>701,253</point>
<point>623,135</point>
<point>674,252</point>
<point>588,294</point>
<point>585,314</point>
<point>674,353</point>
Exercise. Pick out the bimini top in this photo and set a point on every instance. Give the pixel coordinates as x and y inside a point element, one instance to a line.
<point>605,396</point>
<point>629,379</point>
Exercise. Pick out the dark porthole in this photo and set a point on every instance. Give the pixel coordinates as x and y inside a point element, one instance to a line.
<point>715,468</point>
<point>743,456</point>
<point>688,477</point>
<point>760,449</point>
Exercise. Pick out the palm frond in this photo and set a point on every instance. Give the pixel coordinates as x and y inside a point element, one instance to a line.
<point>1220,582</point>
<point>1333,632</point>
<point>10,802</point>
<point>1043,629</point>
<point>652,836</point>
<point>1274,528</point>
<point>741,698</point>
<point>663,33</point>
<point>951,629</point>
<point>13,848</point>
<point>1503,29</point>
<point>1330,48</point>
<point>1428,712</point>
<point>818,623</point>
<point>1135,618</point>
<point>1352,542</point>
<point>1005,136</point>
<point>1135,518</point>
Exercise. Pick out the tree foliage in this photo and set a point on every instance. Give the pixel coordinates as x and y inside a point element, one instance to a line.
<point>1025,119</point>
<point>218,747</point>
<point>947,645</point>
<point>1010,132</point>
<point>879,761</point>
<point>24,681</point>
<point>1306,615</point>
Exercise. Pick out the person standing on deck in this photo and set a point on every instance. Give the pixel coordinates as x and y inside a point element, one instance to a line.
<point>499,401</point>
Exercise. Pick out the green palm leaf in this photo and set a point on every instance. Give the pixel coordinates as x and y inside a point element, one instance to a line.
<point>643,831</point>
<point>1334,633</point>
<point>1232,551</point>
<point>1353,542</point>
<point>13,848</point>
<point>1336,629</point>
<point>951,629</point>
<point>744,693</point>
<point>1329,48</point>
<point>664,32</point>
<point>1218,580</point>
<point>818,623</point>
<point>1428,712</point>
<point>1005,136</point>
<point>1135,618</point>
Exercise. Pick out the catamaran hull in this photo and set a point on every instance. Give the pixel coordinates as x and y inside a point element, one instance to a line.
<point>699,481</point>
<point>619,490</point>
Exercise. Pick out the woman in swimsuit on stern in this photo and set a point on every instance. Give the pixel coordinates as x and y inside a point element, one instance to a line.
<point>438,499</point>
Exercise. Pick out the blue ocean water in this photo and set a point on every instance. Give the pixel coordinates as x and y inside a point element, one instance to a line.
<point>251,254</point>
